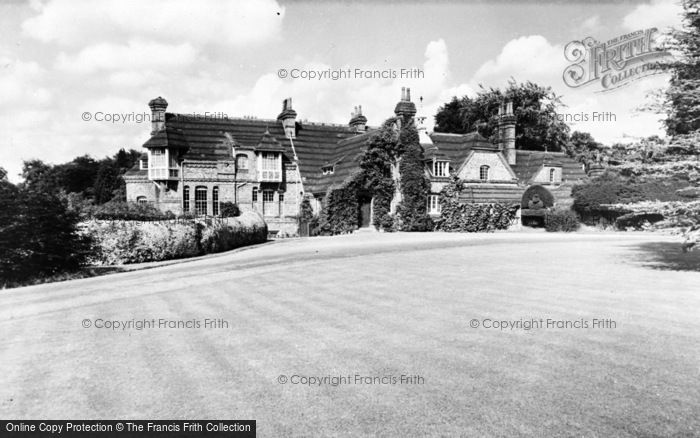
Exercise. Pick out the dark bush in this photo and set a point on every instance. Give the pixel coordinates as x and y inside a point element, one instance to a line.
<point>591,197</point>
<point>544,195</point>
<point>129,211</point>
<point>464,217</point>
<point>229,209</point>
<point>637,220</point>
<point>38,236</point>
<point>561,220</point>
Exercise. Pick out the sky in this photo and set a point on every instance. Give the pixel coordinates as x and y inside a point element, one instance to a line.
<point>61,59</point>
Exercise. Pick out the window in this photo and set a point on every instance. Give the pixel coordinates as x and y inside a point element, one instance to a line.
<point>242,162</point>
<point>186,199</point>
<point>141,200</point>
<point>215,200</point>
<point>271,166</point>
<point>441,168</point>
<point>281,196</point>
<point>200,200</point>
<point>484,173</point>
<point>268,195</point>
<point>328,170</point>
<point>144,164</point>
<point>158,164</point>
<point>552,175</point>
<point>433,203</point>
<point>255,194</point>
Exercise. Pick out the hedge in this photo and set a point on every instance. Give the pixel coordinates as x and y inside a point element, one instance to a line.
<point>123,242</point>
<point>561,220</point>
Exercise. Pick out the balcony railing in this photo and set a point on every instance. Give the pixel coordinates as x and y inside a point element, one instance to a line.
<point>163,173</point>
<point>271,175</point>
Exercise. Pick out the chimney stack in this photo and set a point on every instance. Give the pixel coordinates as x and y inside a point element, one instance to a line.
<point>405,109</point>
<point>506,129</point>
<point>288,118</point>
<point>158,106</point>
<point>357,120</point>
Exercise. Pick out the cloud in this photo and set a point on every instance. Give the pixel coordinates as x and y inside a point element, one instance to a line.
<point>332,101</point>
<point>659,13</point>
<point>18,83</point>
<point>533,58</point>
<point>525,58</point>
<point>75,22</point>
<point>135,55</point>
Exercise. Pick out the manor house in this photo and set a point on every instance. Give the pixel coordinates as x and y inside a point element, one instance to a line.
<point>193,163</point>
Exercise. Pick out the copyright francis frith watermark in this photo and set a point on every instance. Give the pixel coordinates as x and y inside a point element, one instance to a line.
<point>614,63</point>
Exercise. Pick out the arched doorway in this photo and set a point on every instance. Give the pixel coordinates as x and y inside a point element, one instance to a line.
<point>535,201</point>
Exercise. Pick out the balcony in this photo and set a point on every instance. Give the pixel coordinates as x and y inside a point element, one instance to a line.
<point>163,173</point>
<point>270,175</point>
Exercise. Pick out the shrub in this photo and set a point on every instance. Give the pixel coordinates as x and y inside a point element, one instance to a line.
<point>229,209</point>
<point>637,221</point>
<point>456,216</point>
<point>129,211</point>
<point>545,196</point>
<point>561,220</point>
<point>38,235</point>
<point>414,184</point>
<point>123,242</point>
<point>591,198</point>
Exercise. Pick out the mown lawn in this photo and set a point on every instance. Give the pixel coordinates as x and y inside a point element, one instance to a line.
<point>373,305</point>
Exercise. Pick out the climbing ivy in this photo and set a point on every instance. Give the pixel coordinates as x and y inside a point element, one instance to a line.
<point>340,211</point>
<point>412,212</point>
<point>457,216</point>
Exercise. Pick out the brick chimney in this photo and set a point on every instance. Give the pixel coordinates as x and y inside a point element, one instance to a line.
<point>158,106</point>
<point>506,131</point>
<point>405,109</point>
<point>288,118</point>
<point>357,121</point>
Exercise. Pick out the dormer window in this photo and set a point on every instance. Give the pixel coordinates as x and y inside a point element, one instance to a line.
<point>441,168</point>
<point>143,164</point>
<point>270,166</point>
<point>162,164</point>
<point>328,170</point>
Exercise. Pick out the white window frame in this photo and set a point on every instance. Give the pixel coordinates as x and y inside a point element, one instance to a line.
<point>271,194</point>
<point>215,200</point>
<point>434,204</point>
<point>441,168</point>
<point>186,199</point>
<point>552,175</point>
<point>162,165</point>
<point>198,201</point>
<point>158,163</point>
<point>270,166</point>
<point>141,200</point>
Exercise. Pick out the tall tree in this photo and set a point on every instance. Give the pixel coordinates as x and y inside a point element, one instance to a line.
<point>107,182</point>
<point>583,148</point>
<point>539,126</point>
<point>683,94</point>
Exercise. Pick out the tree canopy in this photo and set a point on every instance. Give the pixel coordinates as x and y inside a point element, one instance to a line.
<point>682,97</point>
<point>539,126</point>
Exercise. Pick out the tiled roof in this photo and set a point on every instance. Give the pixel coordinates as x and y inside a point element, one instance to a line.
<point>207,138</point>
<point>456,147</point>
<point>316,145</point>
<point>528,163</point>
<point>486,193</point>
